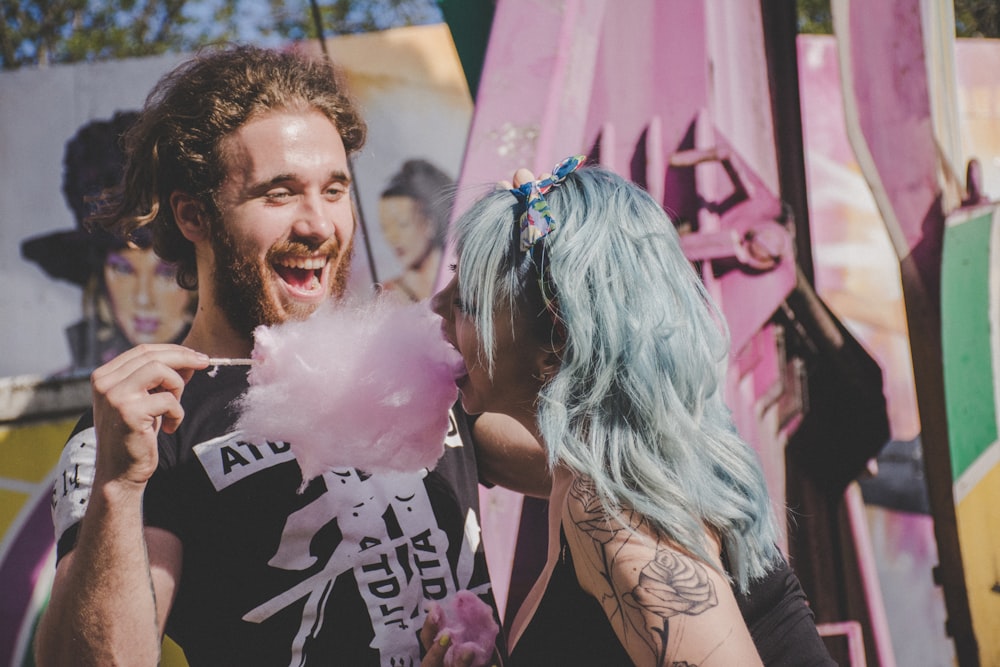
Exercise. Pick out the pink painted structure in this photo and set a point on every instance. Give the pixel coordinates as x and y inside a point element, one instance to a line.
<point>676,97</point>
<point>893,92</point>
<point>560,84</point>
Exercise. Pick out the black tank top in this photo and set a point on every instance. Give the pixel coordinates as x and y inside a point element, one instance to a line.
<point>570,628</point>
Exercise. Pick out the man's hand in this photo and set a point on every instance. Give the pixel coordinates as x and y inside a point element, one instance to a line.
<point>521,176</point>
<point>135,394</point>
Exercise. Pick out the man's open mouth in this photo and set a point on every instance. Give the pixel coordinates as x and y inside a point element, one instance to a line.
<point>304,274</point>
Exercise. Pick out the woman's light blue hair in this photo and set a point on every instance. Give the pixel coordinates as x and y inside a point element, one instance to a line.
<point>637,403</point>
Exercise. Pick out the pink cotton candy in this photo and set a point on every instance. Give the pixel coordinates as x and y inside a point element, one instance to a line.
<point>468,621</point>
<point>364,386</point>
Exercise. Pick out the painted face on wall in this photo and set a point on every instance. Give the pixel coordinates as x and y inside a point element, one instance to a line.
<point>284,240</point>
<point>146,301</point>
<point>406,229</point>
<point>516,380</point>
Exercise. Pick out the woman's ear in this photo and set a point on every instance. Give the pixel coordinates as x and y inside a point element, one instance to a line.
<point>549,357</point>
<point>189,213</point>
<point>549,365</point>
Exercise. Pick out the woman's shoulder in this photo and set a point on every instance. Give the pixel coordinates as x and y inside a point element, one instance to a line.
<point>661,600</point>
<point>623,543</point>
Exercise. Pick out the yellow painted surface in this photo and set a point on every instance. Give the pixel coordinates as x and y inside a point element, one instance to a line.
<point>11,503</point>
<point>978,517</point>
<point>28,452</point>
<point>171,654</point>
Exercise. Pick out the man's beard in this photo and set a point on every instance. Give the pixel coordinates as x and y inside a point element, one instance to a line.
<point>241,281</point>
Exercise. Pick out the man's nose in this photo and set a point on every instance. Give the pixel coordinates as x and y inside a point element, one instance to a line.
<point>314,219</point>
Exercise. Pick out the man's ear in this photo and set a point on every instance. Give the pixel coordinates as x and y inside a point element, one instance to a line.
<point>189,213</point>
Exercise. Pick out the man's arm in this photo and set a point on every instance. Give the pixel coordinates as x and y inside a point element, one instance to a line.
<point>112,592</point>
<point>110,614</point>
<point>508,455</point>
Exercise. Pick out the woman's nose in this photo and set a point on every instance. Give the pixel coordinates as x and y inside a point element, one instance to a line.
<point>143,291</point>
<point>441,303</point>
<point>438,302</point>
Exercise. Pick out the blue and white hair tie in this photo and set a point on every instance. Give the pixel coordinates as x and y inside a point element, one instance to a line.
<point>536,221</point>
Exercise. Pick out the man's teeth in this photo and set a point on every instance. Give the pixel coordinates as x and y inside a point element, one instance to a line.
<point>304,263</point>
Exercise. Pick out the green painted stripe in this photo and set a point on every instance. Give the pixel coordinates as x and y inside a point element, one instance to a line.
<point>965,336</point>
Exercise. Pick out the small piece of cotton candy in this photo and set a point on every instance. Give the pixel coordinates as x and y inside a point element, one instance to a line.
<point>468,622</point>
<point>355,385</point>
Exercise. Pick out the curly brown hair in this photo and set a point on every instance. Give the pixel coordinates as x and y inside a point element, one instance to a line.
<point>175,144</point>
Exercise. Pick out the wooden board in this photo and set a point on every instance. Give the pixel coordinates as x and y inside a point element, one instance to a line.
<point>970,337</point>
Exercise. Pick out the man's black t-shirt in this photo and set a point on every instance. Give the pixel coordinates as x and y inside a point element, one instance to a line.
<point>337,572</point>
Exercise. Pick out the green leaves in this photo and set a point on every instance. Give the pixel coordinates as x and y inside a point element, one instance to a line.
<point>43,32</point>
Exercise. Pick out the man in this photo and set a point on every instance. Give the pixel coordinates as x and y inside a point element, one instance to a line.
<point>166,521</point>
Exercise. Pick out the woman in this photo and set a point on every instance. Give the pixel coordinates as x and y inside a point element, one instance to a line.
<point>414,210</point>
<point>578,316</point>
<point>130,295</point>
<point>143,297</point>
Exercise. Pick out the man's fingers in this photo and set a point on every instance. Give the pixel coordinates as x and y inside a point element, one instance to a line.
<point>166,367</point>
<point>175,355</point>
<point>522,176</point>
<point>168,409</point>
<point>142,387</point>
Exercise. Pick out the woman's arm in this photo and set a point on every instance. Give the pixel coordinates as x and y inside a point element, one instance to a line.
<point>666,607</point>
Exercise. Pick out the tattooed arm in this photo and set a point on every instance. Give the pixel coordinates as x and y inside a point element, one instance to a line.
<point>666,607</point>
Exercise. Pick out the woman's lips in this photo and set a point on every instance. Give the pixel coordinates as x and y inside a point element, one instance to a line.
<point>458,369</point>
<point>146,325</point>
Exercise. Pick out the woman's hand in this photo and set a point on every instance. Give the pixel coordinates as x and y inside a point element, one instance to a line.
<point>437,649</point>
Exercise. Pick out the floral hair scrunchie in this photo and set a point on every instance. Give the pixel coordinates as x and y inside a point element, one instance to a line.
<point>536,222</point>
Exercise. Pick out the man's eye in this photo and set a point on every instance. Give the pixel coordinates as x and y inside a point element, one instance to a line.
<point>278,194</point>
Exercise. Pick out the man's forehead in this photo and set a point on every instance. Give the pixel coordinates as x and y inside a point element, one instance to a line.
<point>256,151</point>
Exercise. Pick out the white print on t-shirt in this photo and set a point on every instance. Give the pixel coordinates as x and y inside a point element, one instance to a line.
<point>391,542</point>
<point>74,480</point>
<point>227,459</point>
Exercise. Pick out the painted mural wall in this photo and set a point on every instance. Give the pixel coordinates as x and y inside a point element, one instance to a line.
<point>857,275</point>
<point>410,85</point>
<point>71,300</point>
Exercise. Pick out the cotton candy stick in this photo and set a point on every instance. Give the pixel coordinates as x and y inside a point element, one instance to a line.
<point>223,361</point>
<point>364,386</point>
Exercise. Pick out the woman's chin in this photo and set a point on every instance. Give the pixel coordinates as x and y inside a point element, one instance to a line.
<point>470,405</point>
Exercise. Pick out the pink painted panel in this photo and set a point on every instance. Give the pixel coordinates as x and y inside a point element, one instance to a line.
<point>890,90</point>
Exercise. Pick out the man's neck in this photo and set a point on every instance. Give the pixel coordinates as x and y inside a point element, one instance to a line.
<point>212,334</point>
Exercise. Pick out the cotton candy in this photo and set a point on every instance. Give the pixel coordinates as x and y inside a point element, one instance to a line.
<point>364,386</point>
<point>468,622</point>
